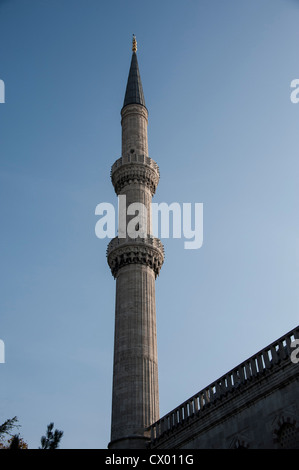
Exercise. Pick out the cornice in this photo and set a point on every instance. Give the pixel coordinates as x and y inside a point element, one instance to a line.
<point>146,251</point>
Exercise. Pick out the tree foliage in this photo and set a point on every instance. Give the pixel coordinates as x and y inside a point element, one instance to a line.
<point>52,439</point>
<point>15,441</point>
<point>8,425</point>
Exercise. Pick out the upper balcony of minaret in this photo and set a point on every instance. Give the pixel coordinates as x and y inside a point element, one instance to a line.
<point>134,168</point>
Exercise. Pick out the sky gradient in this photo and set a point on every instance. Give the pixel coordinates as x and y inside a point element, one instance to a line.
<point>216,78</point>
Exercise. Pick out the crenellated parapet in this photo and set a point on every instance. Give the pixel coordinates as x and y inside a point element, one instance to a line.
<point>124,251</point>
<point>135,169</point>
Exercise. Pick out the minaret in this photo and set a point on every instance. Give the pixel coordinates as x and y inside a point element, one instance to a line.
<point>135,260</point>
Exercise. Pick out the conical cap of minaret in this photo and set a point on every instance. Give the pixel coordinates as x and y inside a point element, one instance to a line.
<point>134,113</point>
<point>134,92</point>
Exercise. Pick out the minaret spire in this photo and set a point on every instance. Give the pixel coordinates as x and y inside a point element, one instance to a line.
<point>134,91</point>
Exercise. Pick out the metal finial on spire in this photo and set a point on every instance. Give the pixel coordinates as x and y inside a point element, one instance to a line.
<point>134,47</point>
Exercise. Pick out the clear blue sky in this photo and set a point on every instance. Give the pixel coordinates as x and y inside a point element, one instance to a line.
<point>216,77</point>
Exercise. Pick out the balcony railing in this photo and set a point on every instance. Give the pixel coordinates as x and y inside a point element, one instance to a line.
<point>142,159</point>
<point>152,241</point>
<point>266,359</point>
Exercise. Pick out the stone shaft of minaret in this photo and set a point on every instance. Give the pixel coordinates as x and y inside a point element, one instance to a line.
<point>135,264</point>
<point>134,130</point>
<point>135,147</point>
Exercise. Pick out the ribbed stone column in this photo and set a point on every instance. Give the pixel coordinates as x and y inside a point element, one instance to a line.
<point>135,264</point>
<point>135,386</point>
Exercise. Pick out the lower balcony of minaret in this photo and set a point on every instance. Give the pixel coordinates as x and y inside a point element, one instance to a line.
<point>147,251</point>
